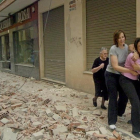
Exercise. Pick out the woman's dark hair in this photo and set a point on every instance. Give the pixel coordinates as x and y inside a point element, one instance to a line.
<point>137,40</point>
<point>116,36</point>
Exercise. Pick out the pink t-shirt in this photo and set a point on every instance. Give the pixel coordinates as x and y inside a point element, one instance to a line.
<point>128,64</point>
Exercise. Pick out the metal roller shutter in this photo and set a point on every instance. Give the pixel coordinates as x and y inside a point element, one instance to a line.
<point>103,17</point>
<point>54,48</point>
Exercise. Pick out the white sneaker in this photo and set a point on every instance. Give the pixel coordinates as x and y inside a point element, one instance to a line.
<point>113,126</point>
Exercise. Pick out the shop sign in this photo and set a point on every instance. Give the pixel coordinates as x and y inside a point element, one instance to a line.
<point>5,24</point>
<point>24,15</point>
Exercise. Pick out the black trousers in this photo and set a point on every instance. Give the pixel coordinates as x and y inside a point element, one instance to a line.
<point>131,88</point>
<point>100,88</point>
<point>116,105</point>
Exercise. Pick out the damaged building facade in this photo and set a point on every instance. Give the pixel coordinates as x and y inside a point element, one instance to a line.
<point>19,39</point>
<point>69,36</point>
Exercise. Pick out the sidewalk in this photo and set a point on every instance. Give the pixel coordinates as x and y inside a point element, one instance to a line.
<point>40,110</point>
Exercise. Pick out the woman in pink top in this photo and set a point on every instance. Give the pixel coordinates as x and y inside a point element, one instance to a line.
<point>129,84</point>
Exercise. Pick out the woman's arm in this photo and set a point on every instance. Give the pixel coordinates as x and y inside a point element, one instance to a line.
<point>135,56</point>
<point>114,63</point>
<point>131,48</point>
<point>136,67</point>
<point>96,69</point>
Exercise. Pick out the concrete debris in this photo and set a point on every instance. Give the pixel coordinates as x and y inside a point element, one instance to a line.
<point>45,127</point>
<point>92,132</point>
<point>83,96</point>
<point>70,137</point>
<point>37,136</point>
<point>4,120</point>
<point>43,111</point>
<point>103,130</point>
<point>75,112</point>
<point>3,114</point>
<point>16,105</point>
<point>73,125</point>
<point>56,117</point>
<point>46,101</point>
<point>60,129</point>
<point>9,135</point>
<point>85,112</point>
<point>60,108</point>
<point>66,122</point>
<point>36,123</point>
<point>97,112</point>
<point>13,101</point>
<point>49,112</point>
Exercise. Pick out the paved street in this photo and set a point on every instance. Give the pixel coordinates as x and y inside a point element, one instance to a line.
<point>46,111</point>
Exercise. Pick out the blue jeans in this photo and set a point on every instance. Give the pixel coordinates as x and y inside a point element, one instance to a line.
<point>116,105</point>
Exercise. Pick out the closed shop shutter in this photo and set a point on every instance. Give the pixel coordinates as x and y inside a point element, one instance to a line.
<point>54,47</point>
<point>103,17</point>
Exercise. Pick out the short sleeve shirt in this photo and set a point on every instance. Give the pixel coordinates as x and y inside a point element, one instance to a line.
<point>121,55</point>
<point>129,64</point>
<point>100,74</point>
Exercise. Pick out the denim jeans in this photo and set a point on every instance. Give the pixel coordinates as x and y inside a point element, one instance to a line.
<point>117,104</point>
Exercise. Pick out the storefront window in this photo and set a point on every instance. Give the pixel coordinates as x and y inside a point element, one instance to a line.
<point>23,44</point>
<point>4,48</point>
<point>5,51</point>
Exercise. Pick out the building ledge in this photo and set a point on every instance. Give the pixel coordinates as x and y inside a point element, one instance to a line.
<point>53,81</point>
<point>88,72</point>
<point>25,65</point>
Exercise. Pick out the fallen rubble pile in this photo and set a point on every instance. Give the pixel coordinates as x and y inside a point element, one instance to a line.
<point>30,117</point>
<point>52,113</point>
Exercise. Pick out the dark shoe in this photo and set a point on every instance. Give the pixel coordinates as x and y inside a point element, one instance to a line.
<point>136,134</point>
<point>129,122</point>
<point>94,102</point>
<point>103,107</point>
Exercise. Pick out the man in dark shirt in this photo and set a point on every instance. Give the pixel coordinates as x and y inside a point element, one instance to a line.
<point>98,69</point>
